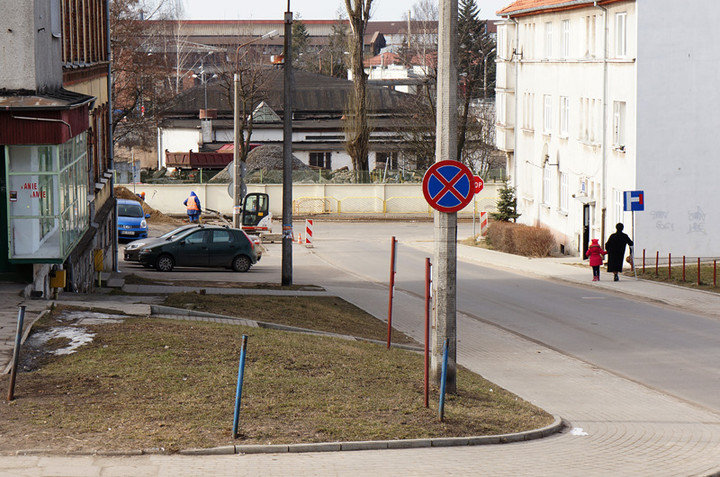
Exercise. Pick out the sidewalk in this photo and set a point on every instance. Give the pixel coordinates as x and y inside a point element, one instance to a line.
<point>570,270</point>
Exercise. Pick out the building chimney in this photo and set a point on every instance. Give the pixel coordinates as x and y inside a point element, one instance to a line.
<point>206,124</point>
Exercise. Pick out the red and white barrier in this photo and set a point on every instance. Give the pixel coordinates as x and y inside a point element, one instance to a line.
<point>309,233</point>
<point>483,223</point>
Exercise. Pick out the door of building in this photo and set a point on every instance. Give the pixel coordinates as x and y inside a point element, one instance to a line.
<point>586,228</point>
<point>4,262</point>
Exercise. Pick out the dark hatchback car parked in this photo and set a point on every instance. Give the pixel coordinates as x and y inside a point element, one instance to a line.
<point>132,250</point>
<point>206,246</point>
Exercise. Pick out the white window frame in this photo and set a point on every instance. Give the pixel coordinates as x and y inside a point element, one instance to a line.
<point>548,40</point>
<point>621,43</point>
<point>564,192</point>
<point>565,39</point>
<point>547,184</point>
<point>564,116</point>
<point>619,112</point>
<point>547,114</point>
<point>619,206</point>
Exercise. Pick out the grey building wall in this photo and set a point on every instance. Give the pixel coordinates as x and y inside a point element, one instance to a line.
<point>30,56</point>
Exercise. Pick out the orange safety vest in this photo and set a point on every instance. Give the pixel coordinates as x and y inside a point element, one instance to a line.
<point>192,203</point>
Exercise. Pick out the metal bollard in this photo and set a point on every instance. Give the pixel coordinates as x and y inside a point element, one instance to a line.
<point>16,353</point>
<point>238,391</point>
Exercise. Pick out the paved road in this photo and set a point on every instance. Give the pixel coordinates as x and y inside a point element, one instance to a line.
<point>661,347</point>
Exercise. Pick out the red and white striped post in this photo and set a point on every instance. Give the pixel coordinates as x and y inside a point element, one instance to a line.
<point>309,233</point>
<point>484,223</point>
<point>393,264</point>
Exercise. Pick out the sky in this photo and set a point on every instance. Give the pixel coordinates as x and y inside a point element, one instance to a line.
<point>385,10</point>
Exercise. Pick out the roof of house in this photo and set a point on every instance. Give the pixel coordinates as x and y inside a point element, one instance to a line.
<point>534,7</point>
<point>313,95</point>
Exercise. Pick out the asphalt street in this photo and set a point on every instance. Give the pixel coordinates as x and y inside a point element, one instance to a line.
<point>663,348</point>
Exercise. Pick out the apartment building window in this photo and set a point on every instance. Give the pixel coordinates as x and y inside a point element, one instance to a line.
<point>564,116</point>
<point>621,35</point>
<point>564,192</point>
<point>566,39</point>
<point>548,39</point>
<point>547,114</point>
<point>619,206</point>
<point>547,183</point>
<point>529,41</point>
<point>501,43</point>
<point>528,111</point>
<point>590,35</point>
<point>619,108</point>
<point>321,159</point>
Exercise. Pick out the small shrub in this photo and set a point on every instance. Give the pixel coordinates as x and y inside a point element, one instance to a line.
<point>520,239</point>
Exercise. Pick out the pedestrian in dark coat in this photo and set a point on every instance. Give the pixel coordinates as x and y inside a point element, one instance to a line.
<point>615,247</point>
<point>595,253</point>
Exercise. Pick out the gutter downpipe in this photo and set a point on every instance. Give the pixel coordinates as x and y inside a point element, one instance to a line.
<point>111,150</point>
<point>516,127</point>
<point>605,120</point>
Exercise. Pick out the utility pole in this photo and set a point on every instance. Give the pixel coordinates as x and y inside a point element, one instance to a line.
<point>287,153</point>
<point>237,166</point>
<point>445,266</point>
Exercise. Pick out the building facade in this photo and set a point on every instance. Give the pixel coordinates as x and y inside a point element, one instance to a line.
<point>597,98</point>
<point>55,144</point>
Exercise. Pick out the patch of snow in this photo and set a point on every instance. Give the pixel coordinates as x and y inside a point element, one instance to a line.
<point>578,431</point>
<point>90,317</point>
<point>77,336</point>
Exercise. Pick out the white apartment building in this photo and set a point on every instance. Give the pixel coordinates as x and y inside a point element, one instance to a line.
<point>599,97</point>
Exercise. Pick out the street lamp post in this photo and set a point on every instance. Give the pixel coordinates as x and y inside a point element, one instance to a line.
<point>287,153</point>
<point>238,168</point>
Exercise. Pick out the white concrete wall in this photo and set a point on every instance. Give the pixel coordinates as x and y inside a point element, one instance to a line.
<point>678,124</point>
<point>579,75</point>
<point>178,140</point>
<point>312,198</point>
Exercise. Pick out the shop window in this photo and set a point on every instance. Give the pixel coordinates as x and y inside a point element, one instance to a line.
<point>47,197</point>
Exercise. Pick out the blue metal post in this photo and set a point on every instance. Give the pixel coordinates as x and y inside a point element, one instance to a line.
<point>443,377</point>
<point>238,391</point>
<point>16,353</point>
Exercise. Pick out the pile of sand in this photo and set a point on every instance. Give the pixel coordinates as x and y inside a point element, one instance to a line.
<point>156,217</point>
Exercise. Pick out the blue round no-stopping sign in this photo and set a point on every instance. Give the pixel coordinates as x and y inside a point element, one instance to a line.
<point>448,186</point>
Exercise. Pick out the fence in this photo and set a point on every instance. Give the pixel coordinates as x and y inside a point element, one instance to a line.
<point>315,199</point>
<point>699,271</point>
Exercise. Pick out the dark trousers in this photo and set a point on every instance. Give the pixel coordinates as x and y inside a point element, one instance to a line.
<point>596,271</point>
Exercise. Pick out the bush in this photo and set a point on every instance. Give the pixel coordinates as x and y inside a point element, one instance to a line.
<point>520,239</point>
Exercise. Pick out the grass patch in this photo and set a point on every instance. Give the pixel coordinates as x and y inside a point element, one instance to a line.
<point>149,383</point>
<point>675,275</point>
<point>331,314</point>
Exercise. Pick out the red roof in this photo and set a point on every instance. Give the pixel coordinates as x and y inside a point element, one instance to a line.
<point>533,7</point>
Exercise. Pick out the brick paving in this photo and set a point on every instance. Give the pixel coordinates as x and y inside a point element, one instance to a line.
<point>620,427</point>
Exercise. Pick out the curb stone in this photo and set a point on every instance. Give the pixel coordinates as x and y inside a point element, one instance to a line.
<point>556,427</point>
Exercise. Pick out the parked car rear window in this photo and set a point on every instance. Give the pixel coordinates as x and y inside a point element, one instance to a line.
<point>222,236</point>
<point>130,210</point>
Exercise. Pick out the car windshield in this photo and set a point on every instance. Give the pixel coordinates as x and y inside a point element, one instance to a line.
<point>173,234</point>
<point>130,210</point>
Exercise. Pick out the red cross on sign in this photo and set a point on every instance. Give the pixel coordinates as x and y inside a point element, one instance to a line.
<point>448,186</point>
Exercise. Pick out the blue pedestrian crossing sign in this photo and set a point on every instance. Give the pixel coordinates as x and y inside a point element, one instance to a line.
<point>634,201</point>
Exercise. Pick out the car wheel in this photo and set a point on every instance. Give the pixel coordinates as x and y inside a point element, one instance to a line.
<point>164,263</point>
<point>241,263</point>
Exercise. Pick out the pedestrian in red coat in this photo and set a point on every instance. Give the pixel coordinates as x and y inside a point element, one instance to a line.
<point>595,252</point>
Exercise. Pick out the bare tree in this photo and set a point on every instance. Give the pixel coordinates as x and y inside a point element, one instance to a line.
<point>357,128</point>
<point>138,74</point>
<point>253,79</point>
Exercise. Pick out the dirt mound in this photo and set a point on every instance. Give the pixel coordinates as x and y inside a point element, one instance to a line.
<point>264,158</point>
<point>156,217</point>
